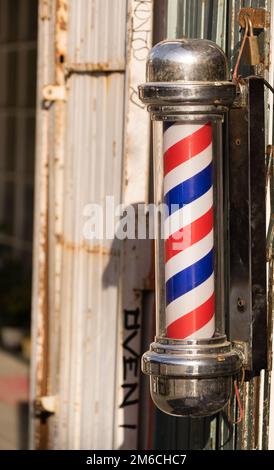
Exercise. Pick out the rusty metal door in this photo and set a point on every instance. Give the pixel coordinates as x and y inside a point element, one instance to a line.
<point>92,142</point>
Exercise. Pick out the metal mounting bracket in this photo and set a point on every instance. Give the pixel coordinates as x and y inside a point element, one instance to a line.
<point>260,17</point>
<point>55,93</point>
<point>247,321</point>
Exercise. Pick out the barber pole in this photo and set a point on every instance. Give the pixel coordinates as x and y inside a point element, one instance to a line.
<point>187,93</point>
<point>188,196</point>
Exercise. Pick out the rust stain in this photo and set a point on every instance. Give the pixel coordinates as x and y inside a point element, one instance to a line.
<point>41,428</point>
<point>107,84</point>
<point>107,68</point>
<point>61,28</point>
<point>42,332</point>
<point>96,67</point>
<point>84,246</point>
<point>260,17</point>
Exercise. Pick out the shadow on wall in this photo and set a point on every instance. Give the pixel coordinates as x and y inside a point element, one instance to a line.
<point>136,317</point>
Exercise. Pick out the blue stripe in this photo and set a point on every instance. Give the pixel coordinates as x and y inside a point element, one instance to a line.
<point>189,190</point>
<point>189,278</point>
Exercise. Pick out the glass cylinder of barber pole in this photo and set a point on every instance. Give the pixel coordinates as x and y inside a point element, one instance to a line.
<point>189,228</point>
<point>191,364</point>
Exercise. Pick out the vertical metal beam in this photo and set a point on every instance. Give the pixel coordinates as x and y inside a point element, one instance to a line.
<point>39,353</point>
<point>248,310</point>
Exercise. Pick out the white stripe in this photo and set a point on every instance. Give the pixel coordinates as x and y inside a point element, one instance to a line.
<point>189,256</point>
<point>189,301</point>
<point>177,132</point>
<point>188,169</point>
<point>188,214</point>
<point>207,331</point>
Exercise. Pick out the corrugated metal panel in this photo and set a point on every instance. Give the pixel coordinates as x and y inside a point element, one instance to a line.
<point>89,288</point>
<point>84,308</point>
<point>198,19</point>
<point>98,29</point>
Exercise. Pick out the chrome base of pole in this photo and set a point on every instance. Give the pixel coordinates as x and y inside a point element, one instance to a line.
<point>192,377</point>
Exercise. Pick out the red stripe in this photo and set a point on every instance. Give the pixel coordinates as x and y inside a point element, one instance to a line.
<point>189,235</point>
<point>187,148</point>
<point>192,321</point>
